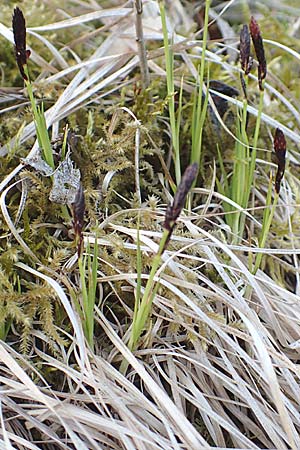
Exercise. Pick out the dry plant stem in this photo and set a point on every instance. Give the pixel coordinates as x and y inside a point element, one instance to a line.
<point>137,164</point>
<point>141,43</point>
<point>11,225</point>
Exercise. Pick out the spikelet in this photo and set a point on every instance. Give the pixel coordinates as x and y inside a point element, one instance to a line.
<point>280,151</point>
<point>19,31</point>
<point>259,50</point>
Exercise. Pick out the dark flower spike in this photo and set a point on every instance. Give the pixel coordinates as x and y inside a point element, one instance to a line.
<point>246,60</point>
<point>19,30</point>
<point>173,210</point>
<point>78,208</point>
<point>280,151</point>
<point>259,50</point>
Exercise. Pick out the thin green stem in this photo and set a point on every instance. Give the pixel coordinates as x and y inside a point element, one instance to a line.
<point>146,302</point>
<point>169,57</point>
<point>142,308</point>
<point>40,124</point>
<point>267,222</point>
<point>200,107</point>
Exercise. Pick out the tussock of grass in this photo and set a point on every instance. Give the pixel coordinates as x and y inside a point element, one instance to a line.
<point>217,363</point>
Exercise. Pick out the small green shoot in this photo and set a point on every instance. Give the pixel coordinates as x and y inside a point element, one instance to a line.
<point>88,266</point>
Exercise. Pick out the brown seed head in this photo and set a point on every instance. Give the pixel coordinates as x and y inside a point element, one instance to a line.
<point>246,61</point>
<point>176,207</point>
<point>280,151</point>
<point>259,50</point>
<point>19,31</point>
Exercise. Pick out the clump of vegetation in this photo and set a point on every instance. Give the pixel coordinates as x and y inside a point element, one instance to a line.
<point>149,226</point>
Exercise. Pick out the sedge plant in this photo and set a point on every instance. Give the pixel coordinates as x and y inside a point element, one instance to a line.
<point>280,152</point>
<point>22,55</point>
<point>238,188</point>
<point>88,267</point>
<point>242,180</point>
<point>143,303</point>
<point>262,73</point>
<point>86,264</point>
